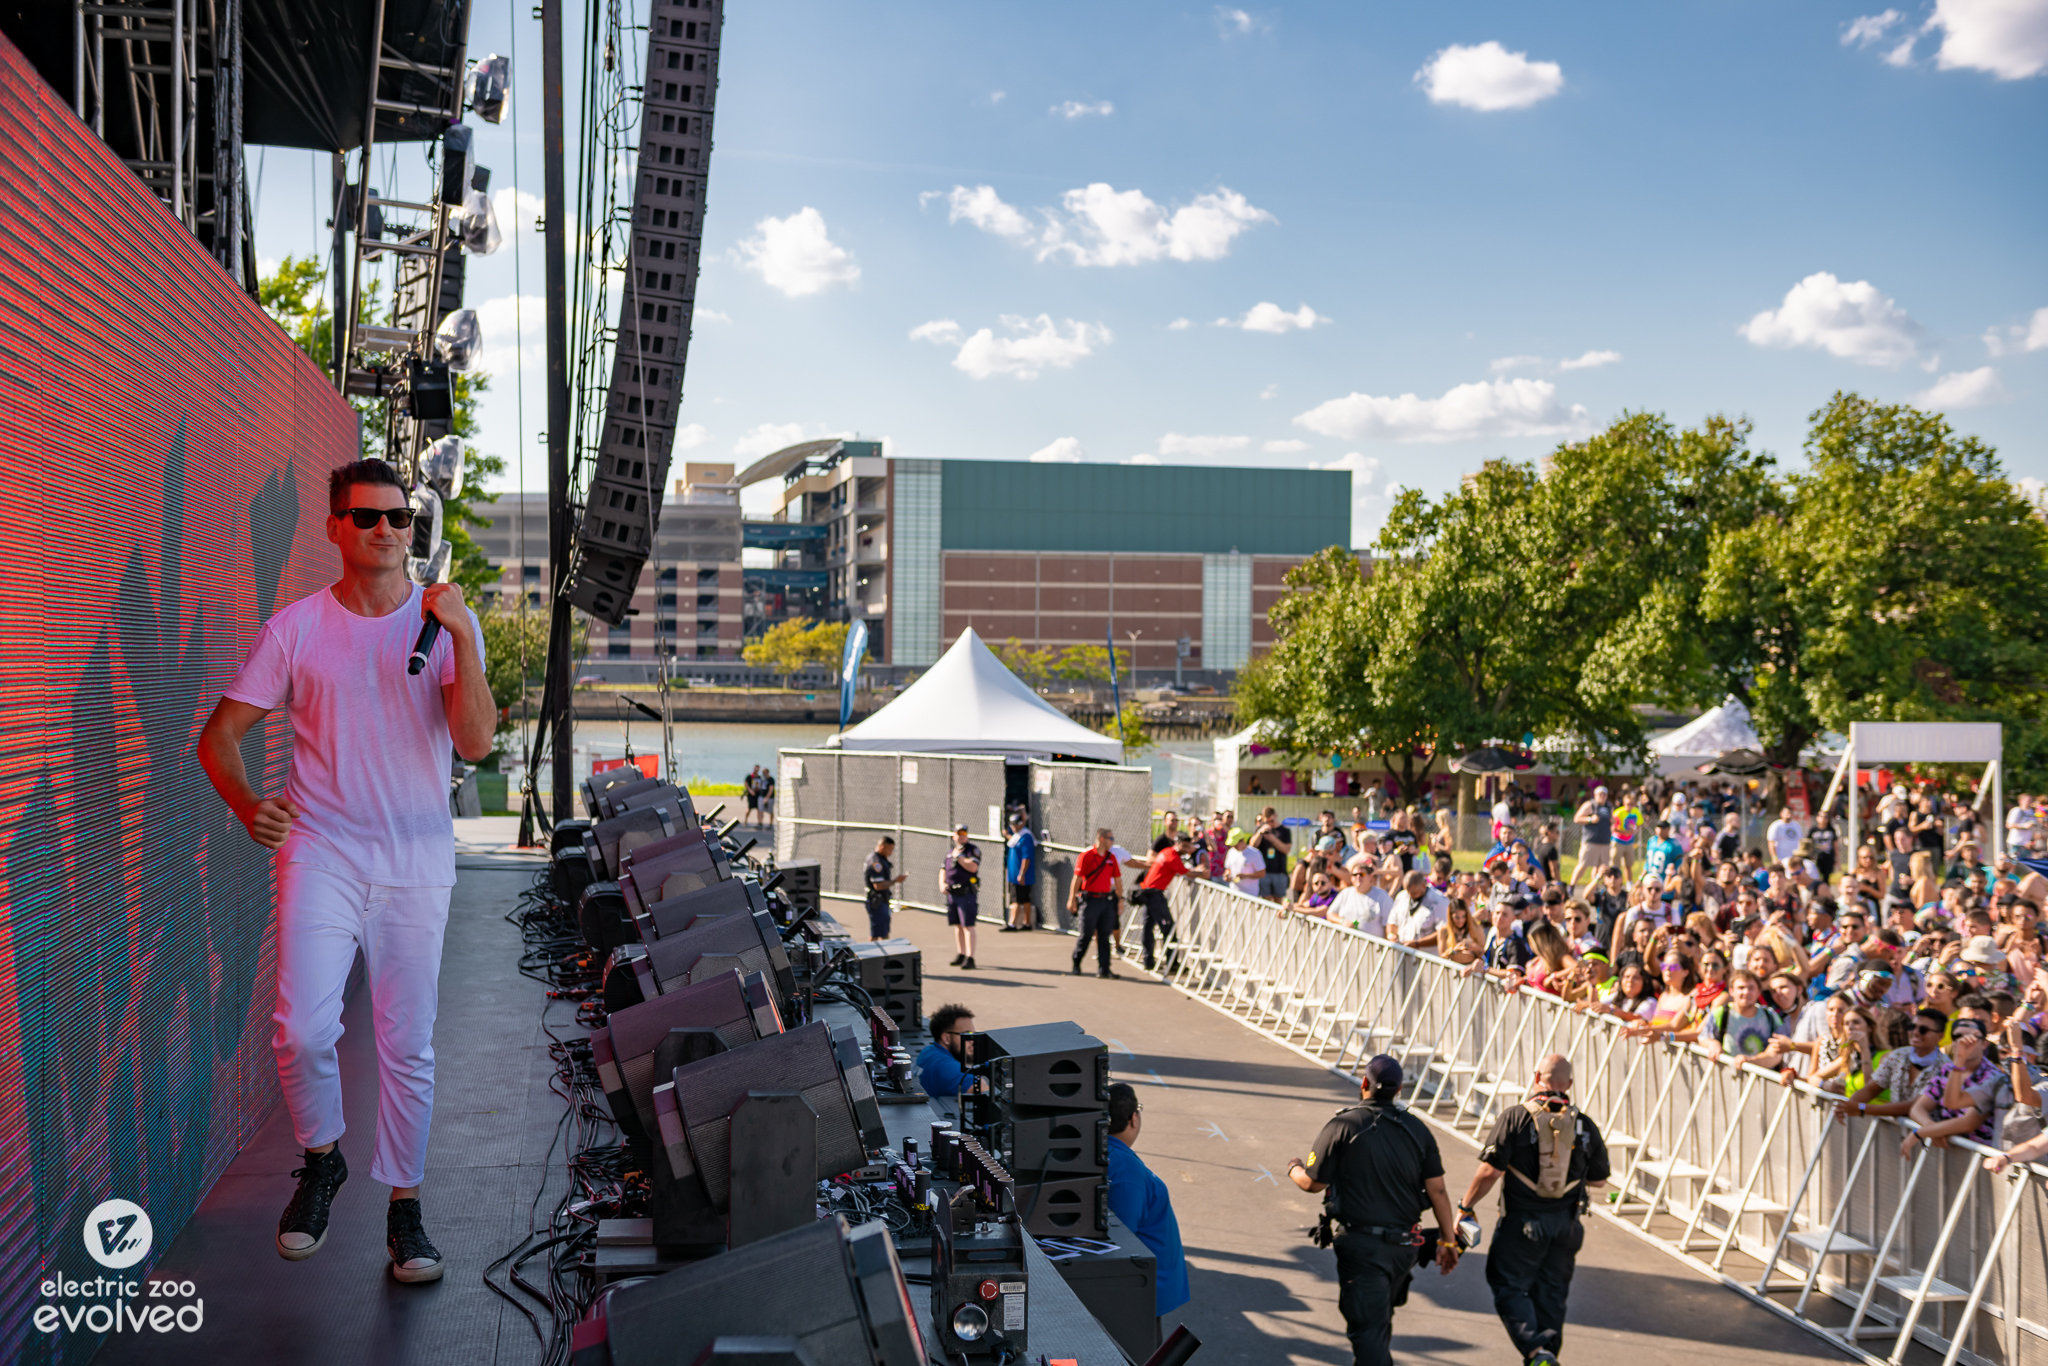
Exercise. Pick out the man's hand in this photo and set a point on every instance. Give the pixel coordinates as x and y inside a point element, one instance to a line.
<point>443,602</point>
<point>1446,1257</point>
<point>270,821</point>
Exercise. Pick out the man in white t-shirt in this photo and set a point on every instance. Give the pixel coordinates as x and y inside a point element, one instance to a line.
<point>1366,904</point>
<point>1418,911</point>
<point>2021,825</point>
<point>1784,835</point>
<point>366,840</point>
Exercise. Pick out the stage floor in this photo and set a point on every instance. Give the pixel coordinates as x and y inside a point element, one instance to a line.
<point>494,1119</point>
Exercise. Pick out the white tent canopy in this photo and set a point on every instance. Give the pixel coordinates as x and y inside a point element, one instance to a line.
<point>1704,738</point>
<point>969,703</point>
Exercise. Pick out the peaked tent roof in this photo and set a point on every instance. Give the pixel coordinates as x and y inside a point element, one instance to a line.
<point>1711,735</point>
<point>970,703</point>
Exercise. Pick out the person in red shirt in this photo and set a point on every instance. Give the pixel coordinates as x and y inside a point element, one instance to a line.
<point>1095,896</point>
<point>1166,865</point>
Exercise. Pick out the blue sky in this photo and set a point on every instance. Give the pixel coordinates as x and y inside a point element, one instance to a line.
<point>1397,239</point>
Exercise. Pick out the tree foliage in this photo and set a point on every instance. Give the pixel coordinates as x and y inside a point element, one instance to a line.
<point>516,651</point>
<point>790,645</point>
<point>1072,664</point>
<point>295,297</point>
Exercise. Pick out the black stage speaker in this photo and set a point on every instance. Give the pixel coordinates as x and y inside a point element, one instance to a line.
<point>738,1009</point>
<point>609,799</point>
<point>597,784</point>
<point>1055,1066</point>
<point>1051,1205</point>
<point>684,862</point>
<point>803,882</point>
<point>615,836</point>
<point>603,918</point>
<point>1073,1141</point>
<point>822,1295</point>
<point>738,896</point>
<point>750,942</point>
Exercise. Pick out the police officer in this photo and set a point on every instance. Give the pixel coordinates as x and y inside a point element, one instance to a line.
<point>1381,1167</point>
<point>960,881</point>
<point>881,877</point>
<point>1551,1154</point>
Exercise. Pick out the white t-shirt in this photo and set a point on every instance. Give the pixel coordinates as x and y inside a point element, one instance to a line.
<point>371,753</point>
<point>1784,837</point>
<point>1365,911</point>
<point>1246,867</point>
<point>1410,923</point>
<point>2020,824</point>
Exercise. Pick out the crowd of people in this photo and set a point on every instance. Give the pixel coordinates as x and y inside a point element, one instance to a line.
<point>1903,974</point>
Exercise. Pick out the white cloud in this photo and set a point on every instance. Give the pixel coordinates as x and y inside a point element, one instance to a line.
<point>1065,450</point>
<point>1868,28</point>
<point>1489,408</point>
<point>1081,109</point>
<point>516,211</point>
<point>1963,389</point>
<point>1592,360</point>
<point>1286,447</point>
<point>1235,22</point>
<point>711,315</point>
<point>1173,443</point>
<point>984,208</point>
<point>1034,344</point>
<point>2015,340</point>
<point>1488,78</point>
<point>1507,363</point>
<point>1902,55</point>
<point>1099,225</point>
<point>1144,458</point>
<point>2008,38</point>
<point>796,255</point>
<point>691,437</point>
<point>1179,325</point>
<point>504,350</point>
<point>997,96</point>
<point>1269,391</point>
<point>769,436</point>
<point>1370,496</point>
<point>1850,320</point>
<point>1265,317</point>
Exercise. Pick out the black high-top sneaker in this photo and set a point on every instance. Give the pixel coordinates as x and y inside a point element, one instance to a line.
<point>413,1257</point>
<point>302,1228</point>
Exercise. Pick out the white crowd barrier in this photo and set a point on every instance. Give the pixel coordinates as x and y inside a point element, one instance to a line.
<point>1748,1181</point>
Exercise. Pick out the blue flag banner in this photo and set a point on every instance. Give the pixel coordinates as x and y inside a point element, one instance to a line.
<point>849,669</point>
<point>1115,692</point>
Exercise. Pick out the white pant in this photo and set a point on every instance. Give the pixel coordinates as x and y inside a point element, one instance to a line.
<point>321,917</point>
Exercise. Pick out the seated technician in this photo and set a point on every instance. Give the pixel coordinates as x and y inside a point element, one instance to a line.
<point>1140,1199</point>
<point>939,1069</point>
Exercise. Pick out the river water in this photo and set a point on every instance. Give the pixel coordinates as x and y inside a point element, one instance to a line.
<point>724,752</point>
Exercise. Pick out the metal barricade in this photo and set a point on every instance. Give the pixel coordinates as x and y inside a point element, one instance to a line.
<point>1750,1181</point>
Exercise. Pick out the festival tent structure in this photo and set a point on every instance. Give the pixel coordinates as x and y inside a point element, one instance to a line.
<point>970,703</point>
<point>1705,739</point>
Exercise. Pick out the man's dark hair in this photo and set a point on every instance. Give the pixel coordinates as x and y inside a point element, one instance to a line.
<point>886,839</point>
<point>1123,1105</point>
<point>344,477</point>
<point>1933,1016</point>
<point>1885,934</point>
<point>945,1017</point>
<point>1975,1000</point>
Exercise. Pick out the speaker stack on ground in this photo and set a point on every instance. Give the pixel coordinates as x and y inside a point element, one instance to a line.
<point>1042,1109</point>
<point>891,971</point>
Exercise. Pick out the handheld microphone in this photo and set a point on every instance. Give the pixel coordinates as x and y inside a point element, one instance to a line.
<point>424,645</point>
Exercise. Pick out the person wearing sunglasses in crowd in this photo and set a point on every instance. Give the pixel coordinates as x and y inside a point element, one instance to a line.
<point>1963,1095</point>
<point>1676,1018</point>
<point>1896,1084</point>
<point>365,840</point>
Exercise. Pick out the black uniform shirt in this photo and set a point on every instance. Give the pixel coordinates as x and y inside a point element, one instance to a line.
<point>879,875</point>
<point>1374,1159</point>
<point>1512,1147</point>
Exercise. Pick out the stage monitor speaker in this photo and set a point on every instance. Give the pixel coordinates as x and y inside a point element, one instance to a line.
<point>836,1295</point>
<point>1077,1206</point>
<point>1074,1143</point>
<point>684,862</point>
<point>603,917</point>
<point>803,882</point>
<point>619,835</point>
<point>597,784</point>
<point>739,1009</point>
<point>888,966</point>
<point>673,915</point>
<point>751,938</point>
<point>692,1112</point>
<point>607,800</point>
<point>1053,1066</point>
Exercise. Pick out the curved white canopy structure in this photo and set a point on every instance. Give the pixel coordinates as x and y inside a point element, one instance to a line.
<point>970,703</point>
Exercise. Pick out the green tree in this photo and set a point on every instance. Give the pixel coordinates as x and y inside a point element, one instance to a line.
<point>1129,728</point>
<point>516,651</point>
<point>1034,666</point>
<point>295,296</point>
<point>790,645</point>
<point>1088,663</point>
<point>1901,579</point>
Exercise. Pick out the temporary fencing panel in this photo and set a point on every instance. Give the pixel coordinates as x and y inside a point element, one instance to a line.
<point>164,448</point>
<point>1069,803</point>
<point>837,803</point>
<point>1749,1181</point>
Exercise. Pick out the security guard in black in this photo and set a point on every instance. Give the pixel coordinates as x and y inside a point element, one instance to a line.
<point>1379,1168</point>
<point>1535,1246</point>
<point>881,877</point>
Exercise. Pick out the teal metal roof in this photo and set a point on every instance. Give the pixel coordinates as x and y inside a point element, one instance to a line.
<point>1157,509</point>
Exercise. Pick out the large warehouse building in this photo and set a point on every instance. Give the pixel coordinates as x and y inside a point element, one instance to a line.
<point>1051,554</point>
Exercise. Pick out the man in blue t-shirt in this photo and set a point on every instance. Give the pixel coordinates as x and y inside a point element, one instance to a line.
<point>1020,871</point>
<point>1140,1200</point>
<point>1664,854</point>
<point>938,1067</point>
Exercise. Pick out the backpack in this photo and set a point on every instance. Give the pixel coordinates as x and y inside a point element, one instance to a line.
<point>1556,1136</point>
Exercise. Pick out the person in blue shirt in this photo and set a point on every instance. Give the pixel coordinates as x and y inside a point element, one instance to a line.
<point>938,1067</point>
<point>1664,855</point>
<point>1140,1200</point>
<point>1020,870</point>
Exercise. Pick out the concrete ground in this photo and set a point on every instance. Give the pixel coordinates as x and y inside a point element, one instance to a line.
<point>1224,1111</point>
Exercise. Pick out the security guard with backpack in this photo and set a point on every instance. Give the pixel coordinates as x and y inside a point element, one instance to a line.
<point>1380,1168</point>
<point>1551,1154</point>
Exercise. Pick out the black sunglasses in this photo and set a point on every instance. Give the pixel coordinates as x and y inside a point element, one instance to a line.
<point>366,518</point>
